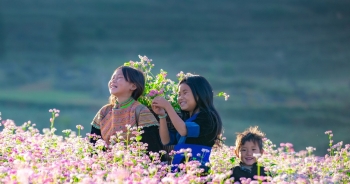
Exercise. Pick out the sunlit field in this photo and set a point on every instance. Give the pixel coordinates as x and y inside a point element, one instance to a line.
<point>29,156</point>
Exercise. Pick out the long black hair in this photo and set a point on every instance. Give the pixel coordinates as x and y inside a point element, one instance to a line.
<point>203,95</point>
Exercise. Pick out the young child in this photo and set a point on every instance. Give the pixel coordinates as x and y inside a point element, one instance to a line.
<point>248,143</point>
<point>126,86</point>
<point>200,125</point>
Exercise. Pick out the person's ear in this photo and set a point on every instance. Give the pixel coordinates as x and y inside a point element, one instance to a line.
<point>133,87</point>
<point>262,151</point>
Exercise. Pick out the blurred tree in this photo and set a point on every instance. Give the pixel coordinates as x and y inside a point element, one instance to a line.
<point>68,38</point>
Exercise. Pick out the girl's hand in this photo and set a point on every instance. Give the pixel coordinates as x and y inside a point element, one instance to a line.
<point>158,110</point>
<point>160,102</point>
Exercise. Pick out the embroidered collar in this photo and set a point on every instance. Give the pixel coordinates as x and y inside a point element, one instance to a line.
<point>125,104</point>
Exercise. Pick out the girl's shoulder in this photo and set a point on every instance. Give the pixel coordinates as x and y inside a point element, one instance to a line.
<point>106,107</point>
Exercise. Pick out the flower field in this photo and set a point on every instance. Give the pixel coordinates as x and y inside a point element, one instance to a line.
<point>29,156</point>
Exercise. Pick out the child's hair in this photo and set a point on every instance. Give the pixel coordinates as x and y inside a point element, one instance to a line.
<point>203,95</point>
<point>134,76</point>
<point>250,134</point>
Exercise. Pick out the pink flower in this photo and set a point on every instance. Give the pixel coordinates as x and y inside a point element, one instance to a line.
<point>153,92</point>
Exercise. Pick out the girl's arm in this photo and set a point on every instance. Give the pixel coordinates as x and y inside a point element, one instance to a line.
<point>163,127</point>
<point>163,131</point>
<point>178,123</point>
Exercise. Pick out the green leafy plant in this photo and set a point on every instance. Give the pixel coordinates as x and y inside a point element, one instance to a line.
<point>159,84</point>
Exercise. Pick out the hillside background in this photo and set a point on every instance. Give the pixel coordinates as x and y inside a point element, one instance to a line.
<point>285,64</point>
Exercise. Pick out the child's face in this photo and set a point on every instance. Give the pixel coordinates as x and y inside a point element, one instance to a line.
<point>246,152</point>
<point>118,85</point>
<point>186,98</point>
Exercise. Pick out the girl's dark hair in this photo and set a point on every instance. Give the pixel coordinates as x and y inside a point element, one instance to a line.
<point>134,76</point>
<point>203,95</point>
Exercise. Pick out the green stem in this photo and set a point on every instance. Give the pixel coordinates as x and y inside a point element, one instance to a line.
<point>259,173</point>
<point>53,120</point>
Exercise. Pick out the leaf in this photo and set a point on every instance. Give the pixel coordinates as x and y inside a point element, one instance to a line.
<point>138,138</point>
<point>232,159</point>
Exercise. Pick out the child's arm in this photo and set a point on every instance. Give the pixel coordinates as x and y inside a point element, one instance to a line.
<point>178,123</point>
<point>163,127</point>
<point>95,124</point>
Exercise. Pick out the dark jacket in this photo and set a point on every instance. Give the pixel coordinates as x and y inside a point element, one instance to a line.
<point>239,171</point>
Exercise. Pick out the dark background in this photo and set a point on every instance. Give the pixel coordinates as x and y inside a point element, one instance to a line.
<point>284,63</point>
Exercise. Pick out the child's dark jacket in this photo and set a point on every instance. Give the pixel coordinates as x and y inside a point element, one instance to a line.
<point>239,171</point>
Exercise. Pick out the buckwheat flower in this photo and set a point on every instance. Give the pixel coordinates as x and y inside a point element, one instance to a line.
<point>310,149</point>
<point>180,74</point>
<point>257,155</point>
<point>226,96</point>
<point>153,93</point>
<point>152,169</point>
<point>53,129</point>
<point>23,175</point>
<point>67,131</point>
<point>347,146</point>
<point>119,133</point>
<point>80,127</point>
<point>144,58</point>
<point>46,130</point>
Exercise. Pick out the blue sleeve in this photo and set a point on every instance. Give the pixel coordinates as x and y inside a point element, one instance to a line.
<point>173,137</point>
<point>192,129</point>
